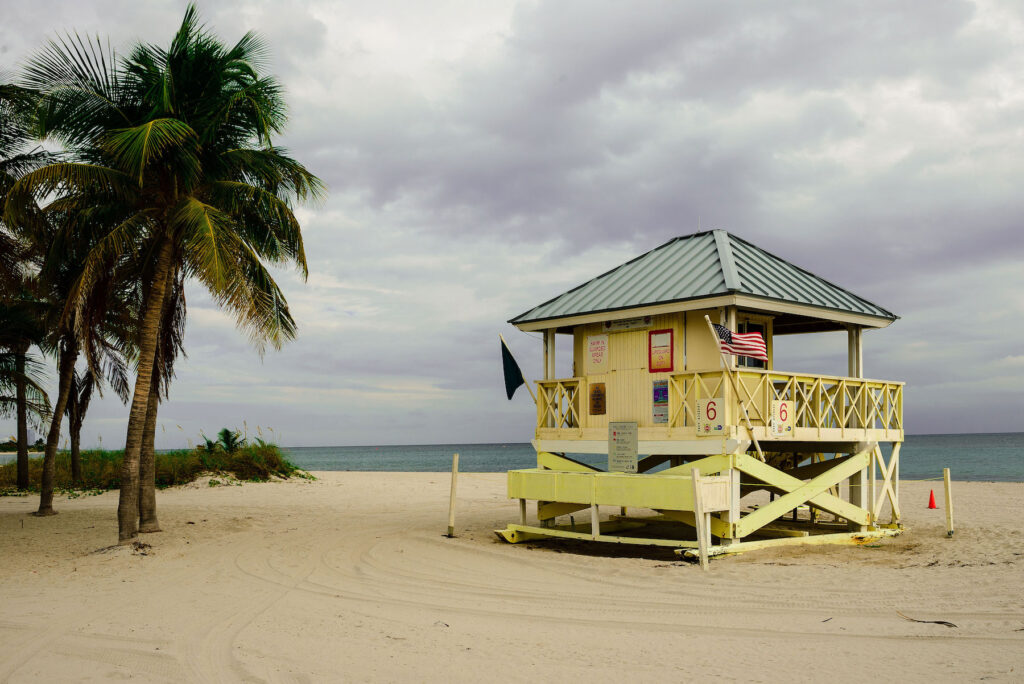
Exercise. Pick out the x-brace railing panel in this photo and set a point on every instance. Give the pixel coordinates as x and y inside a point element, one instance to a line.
<point>821,402</point>
<point>799,492</point>
<point>888,482</point>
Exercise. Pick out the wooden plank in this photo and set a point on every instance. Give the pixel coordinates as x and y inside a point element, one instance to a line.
<point>814,539</point>
<point>546,510</point>
<point>872,489</point>
<point>949,502</point>
<point>894,490</point>
<point>451,500</point>
<point>775,531</point>
<point>719,528</point>
<point>717,492</point>
<point>787,483</point>
<point>804,493</point>
<point>651,462</point>
<point>516,534</point>
<point>859,493</point>
<point>682,441</point>
<point>606,489</point>
<point>707,466</point>
<point>551,461</point>
<point>703,524</point>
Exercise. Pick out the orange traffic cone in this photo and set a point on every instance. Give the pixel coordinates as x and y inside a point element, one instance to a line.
<point>931,500</point>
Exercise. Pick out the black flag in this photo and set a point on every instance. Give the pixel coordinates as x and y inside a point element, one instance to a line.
<point>513,376</point>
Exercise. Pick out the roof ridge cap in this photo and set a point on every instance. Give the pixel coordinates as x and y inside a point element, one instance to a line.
<point>726,260</point>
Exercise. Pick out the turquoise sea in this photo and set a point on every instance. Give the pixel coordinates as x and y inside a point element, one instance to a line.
<point>988,457</point>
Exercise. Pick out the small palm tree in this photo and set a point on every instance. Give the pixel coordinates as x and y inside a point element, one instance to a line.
<point>230,440</point>
<point>209,445</point>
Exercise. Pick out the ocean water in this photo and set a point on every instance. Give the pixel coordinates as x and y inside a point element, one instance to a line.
<point>988,457</point>
<point>995,457</point>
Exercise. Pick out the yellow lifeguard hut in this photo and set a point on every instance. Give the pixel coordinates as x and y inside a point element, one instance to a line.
<point>651,388</point>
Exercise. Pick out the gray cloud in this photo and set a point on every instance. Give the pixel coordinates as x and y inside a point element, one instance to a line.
<point>484,157</point>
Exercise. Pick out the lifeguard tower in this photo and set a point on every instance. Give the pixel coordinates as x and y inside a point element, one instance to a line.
<point>796,455</point>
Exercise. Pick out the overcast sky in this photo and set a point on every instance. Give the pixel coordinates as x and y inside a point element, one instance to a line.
<point>483,157</point>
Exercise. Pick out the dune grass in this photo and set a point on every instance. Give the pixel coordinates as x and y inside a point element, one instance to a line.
<point>101,470</point>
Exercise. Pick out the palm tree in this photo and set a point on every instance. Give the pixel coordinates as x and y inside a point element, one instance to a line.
<point>84,383</point>
<point>21,394</point>
<point>66,346</point>
<point>171,153</point>
<point>169,346</point>
<point>20,328</point>
<point>79,397</point>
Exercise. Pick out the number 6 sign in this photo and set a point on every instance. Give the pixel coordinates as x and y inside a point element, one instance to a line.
<point>710,417</point>
<point>782,417</point>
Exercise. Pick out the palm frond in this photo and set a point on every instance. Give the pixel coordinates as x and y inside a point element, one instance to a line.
<point>266,221</point>
<point>93,180</point>
<point>210,245</point>
<point>274,170</point>
<point>135,149</point>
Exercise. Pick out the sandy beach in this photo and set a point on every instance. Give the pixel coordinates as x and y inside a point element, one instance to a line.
<point>349,578</point>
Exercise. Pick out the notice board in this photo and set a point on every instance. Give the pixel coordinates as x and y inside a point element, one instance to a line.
<point>622,447</point>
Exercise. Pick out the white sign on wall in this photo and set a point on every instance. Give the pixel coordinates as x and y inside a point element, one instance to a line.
<point>710,417</point>
<point>628,324</point>
<point>622,448</point>
<point>782,417</point>
<point>597,354</point>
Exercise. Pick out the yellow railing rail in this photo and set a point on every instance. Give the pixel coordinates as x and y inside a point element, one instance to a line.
<point>821,401</point>
<point>558,403</point>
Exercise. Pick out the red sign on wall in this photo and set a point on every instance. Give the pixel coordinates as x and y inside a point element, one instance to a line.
<point>659,351</point>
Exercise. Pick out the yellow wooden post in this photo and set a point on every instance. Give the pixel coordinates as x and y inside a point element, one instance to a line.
<point>702,524</point>
<point>451,500</point>
<point>949,503</point>
<point>873,486</point>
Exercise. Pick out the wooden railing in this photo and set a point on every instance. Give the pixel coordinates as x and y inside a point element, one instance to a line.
<point>558,403</point>
<point>820,401</point>
<point>824,407</point>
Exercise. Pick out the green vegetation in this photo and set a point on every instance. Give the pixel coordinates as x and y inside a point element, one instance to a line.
<point>11,445</point>
<point>101,470</point>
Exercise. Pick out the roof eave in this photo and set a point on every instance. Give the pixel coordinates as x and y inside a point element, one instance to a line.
<point>732,297</point>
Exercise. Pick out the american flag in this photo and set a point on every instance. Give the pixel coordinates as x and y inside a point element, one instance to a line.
<point>741,344</point>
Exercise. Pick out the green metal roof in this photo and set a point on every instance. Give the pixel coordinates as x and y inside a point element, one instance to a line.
<point>698,266</point>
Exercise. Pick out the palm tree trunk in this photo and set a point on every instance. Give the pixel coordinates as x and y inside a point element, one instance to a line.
<point>147,464</point>
<point>22,409</point>
<point>75,428</point>
<point>147,456</point>
<point>66,366</point>
<point>149,334</point>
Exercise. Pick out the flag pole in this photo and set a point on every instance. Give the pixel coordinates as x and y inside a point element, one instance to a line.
<point>526,383</point>
<point>735,387</point>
